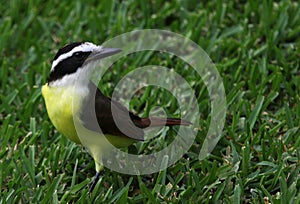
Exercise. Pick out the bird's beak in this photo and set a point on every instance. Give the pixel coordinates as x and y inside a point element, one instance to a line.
<point>104,52</point>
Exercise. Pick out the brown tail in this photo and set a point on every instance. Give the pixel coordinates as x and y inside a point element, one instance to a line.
<point>156,122</point>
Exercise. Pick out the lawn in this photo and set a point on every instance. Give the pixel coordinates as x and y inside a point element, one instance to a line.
<point>255,48</point>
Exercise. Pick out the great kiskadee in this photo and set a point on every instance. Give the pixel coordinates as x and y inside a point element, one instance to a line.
<point>71,98</point>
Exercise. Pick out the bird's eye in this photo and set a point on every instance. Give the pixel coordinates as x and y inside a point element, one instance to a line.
<point>78,55</point>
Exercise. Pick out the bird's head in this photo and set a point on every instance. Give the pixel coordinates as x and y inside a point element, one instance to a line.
<point>76,61</point>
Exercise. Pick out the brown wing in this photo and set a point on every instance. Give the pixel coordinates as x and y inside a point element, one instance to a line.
<point>101,116</point>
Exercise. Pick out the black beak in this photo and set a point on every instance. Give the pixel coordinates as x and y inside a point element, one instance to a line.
<point>104,52</point>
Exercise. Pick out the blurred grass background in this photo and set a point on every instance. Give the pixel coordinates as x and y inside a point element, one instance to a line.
<point>255,46</point>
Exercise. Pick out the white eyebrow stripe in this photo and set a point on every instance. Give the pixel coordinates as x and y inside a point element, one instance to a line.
<point>85,47</point>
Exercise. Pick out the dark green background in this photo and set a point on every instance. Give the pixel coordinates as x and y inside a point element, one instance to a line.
<point>255,46</point>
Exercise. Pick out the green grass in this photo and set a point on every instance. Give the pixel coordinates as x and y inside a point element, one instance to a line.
<point>255,46</point>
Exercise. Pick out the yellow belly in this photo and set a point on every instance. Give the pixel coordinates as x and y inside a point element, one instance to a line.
<point>61,104</point>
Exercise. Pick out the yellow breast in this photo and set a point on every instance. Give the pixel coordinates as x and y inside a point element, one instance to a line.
<point>61,104</point>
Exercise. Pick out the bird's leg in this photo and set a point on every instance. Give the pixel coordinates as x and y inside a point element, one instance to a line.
<point>96,179</point>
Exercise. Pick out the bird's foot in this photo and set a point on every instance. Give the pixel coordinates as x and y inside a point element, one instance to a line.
<point>95,180</point>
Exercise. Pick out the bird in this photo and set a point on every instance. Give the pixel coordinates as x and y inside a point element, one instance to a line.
<point>71,98</point>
